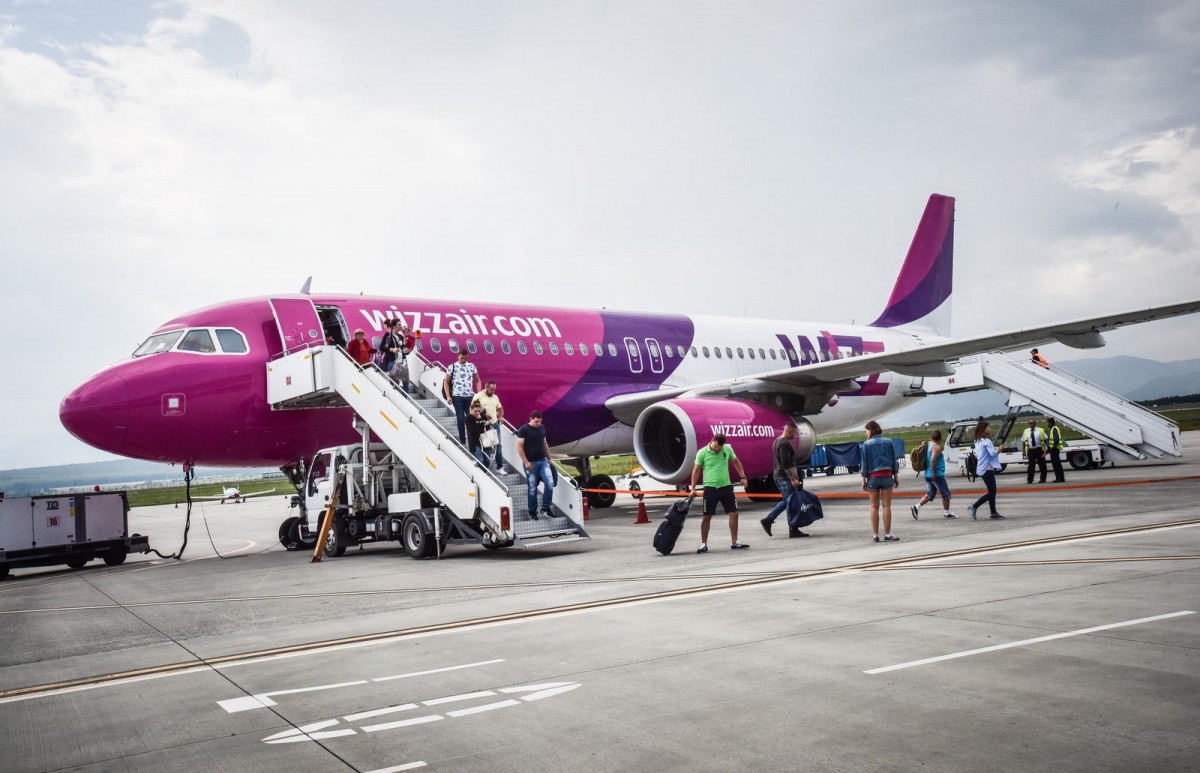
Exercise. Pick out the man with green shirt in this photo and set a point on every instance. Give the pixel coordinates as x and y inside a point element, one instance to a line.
<point>713,460</point>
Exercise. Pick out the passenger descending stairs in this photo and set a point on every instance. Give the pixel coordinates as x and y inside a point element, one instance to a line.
<point>1105,416</point>
<point>423,433</point>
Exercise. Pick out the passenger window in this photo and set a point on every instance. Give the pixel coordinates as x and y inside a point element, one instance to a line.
<point>487,346</point>
<point>695,354</point>
<point>598,350</point>
<point>453,344</point>
<point>583,349</point>
<point>705,350</point>
<point>612,350</point>
<point>554,348</point>
<point>772,354</point>
<point>762,354</point>
<point>740,355</point>
<point>537,347</point>
<point>435,345</point>
<point>504,347</point>
<point>729,352</point>
<point>471,345</point>
<point>568,348</point>
<point>197,341</point>
<point>748,351</point>
<point>522,348</point>
<point>717,352</point>
<point>668,350</point>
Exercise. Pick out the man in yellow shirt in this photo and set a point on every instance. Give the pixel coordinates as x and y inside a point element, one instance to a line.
<point>494,411</point>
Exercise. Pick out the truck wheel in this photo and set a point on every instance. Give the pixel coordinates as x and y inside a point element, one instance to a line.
<point>601,499</point>
<point>335,540</point>
<point>115,556</point>
<point>3,571</point>
<point>418,542</point>
<point>1080,460</point>
<point>77,562</point>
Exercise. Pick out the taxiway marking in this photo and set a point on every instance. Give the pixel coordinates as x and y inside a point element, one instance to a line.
<point>264,699</point>
<point>994,648</point>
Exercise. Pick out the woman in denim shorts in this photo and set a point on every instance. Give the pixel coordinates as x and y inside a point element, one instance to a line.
<point>879,473</point>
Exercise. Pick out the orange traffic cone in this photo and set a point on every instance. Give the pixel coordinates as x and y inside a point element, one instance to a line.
<point>642,516</point>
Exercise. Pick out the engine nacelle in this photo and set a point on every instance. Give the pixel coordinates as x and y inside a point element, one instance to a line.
<point>668,435</point>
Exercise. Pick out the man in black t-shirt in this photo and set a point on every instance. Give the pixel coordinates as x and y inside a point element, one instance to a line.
<point>535,456</point>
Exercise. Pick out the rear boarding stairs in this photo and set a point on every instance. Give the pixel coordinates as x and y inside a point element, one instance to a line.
<point>421,432</point>
<point>1127,428</point>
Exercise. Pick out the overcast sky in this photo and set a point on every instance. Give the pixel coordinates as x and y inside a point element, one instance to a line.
<point>757,159</point>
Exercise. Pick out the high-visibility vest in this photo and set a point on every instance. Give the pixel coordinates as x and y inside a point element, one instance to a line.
<point>1055,440</point>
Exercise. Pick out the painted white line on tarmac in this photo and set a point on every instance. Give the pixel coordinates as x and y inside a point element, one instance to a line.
<point>996,647</point>
<point>398,768</point>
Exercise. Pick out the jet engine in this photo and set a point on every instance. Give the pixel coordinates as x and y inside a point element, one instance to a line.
<point>668,435</point>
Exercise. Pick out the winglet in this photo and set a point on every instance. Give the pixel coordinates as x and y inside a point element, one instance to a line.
<point>307,286</point>
<point>921,296</point>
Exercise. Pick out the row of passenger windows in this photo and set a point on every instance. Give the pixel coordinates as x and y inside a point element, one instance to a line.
<point>671,352</point>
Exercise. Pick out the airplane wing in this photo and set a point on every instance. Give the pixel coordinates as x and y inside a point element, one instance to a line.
<point>239,495</point>
<point>922,359</point>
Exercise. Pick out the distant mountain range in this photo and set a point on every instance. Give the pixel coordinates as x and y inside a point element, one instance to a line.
<point>38,480</point>
<point>1132,377</point>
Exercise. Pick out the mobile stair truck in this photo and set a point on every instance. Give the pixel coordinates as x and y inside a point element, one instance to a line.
<point>1119,429</point>
<point>414,482</point>
<point>69,529</point>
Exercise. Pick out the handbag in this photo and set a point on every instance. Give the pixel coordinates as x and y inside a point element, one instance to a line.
<point>489,438</point>
<point>379,358</point>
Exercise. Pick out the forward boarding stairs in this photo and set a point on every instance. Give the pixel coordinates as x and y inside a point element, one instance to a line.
<point>422,431</point>
<point>1126,427</point>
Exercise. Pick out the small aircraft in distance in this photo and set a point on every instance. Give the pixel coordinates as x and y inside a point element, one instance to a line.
<point>235,494</point>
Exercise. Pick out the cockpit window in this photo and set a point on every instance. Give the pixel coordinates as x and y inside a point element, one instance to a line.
<point>159,342</point>
<point>232,342</point>
<point>197,341</point>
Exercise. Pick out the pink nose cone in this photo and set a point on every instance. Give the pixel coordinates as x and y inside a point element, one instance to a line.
<point>97,412</point>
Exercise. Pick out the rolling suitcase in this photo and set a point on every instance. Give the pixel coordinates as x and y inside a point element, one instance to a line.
<point>672,525</point>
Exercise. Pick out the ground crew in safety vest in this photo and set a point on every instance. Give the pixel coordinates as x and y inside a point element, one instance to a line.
<point>1033,443</point>
<point>1054,443</point>
<point>1038,359</point>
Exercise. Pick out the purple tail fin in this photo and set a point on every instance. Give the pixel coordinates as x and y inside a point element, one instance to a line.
<point>921,296</point>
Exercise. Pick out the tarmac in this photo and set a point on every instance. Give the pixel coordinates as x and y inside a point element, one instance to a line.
<point>1064,637</point>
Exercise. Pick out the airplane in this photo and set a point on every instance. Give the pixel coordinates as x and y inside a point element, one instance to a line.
<point>236,495</point>
<point>607,382</point>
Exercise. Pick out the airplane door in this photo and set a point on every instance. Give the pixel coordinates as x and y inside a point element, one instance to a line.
<point>635,355</point>
<point>299,325</point>
<point>656,363</point>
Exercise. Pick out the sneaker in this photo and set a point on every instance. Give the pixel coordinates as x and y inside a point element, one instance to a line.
<point>971,511</point>
<point>533,515</point>
<point>796,533</point>
<point>914,510</point>
<point>546,511</point>
<point>875,538</point>
<point>949,515</point>
<point>766,524</point>
<point>702,549</point>
<point>738,546</point>
<point>996,517</point>
<point>890,538</point>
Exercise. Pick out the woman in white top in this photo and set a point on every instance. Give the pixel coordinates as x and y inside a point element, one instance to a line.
<point>987,464</point>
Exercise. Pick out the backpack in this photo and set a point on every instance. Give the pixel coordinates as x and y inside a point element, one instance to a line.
<point>972,465</point>
<point>918,457</point>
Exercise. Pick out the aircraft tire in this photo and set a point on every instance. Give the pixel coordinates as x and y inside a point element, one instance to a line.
<point>601,499</point>
<point>635,486</point>
<point>287,533</point>
<point>115,556</point>
<point>418,543</point>
<point>296,536</point>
